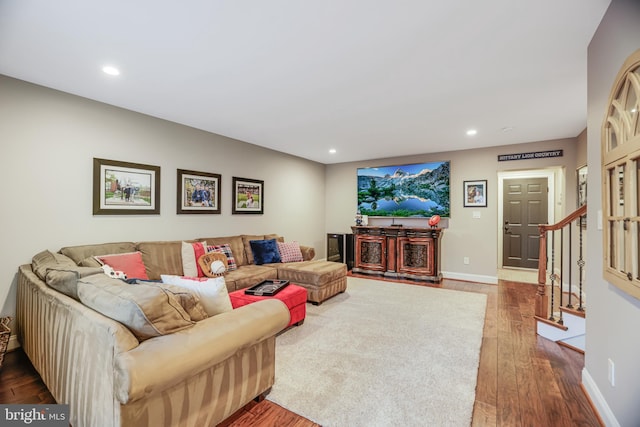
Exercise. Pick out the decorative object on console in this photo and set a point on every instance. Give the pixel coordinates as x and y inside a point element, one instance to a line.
<point>248,196</point>
<point>358,217</point>
<point>434,220</point>
<point>198,192</point>
<point>475,194</point>
<point>123,188</point>
<point>265,251</point>
<point>405,190</point>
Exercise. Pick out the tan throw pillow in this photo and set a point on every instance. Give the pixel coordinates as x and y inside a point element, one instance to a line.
<point>147,310</point>
<point>66,280</point>
<point>46,260</point>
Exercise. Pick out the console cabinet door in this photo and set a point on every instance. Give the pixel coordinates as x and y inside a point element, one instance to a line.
<point>371,252</point>
<point>415,255</point>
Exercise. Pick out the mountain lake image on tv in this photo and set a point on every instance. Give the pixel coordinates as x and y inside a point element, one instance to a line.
<point>413,190</point>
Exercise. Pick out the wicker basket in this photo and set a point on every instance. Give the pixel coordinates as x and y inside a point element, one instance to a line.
<point>5,333</point>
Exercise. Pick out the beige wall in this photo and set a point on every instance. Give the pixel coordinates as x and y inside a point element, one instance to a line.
<point>465,236</point>
<point>48,140</point>
<point>613,316</point>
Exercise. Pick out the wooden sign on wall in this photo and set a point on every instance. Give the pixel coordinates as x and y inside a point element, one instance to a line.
<point>532,155</point>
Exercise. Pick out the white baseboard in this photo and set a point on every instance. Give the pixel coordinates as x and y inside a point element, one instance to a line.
<point>13,343</point>
<point>598,400</point>
<point>492,280</point>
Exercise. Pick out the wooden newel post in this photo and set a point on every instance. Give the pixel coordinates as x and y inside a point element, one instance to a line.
<point>542,299</point>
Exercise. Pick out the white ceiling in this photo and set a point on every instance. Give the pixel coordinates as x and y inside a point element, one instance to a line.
<point>371,79</point>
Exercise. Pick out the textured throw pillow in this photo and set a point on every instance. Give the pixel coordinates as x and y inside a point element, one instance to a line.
<point>147,310</point>
<point>46,260</point>
<point>66,280</point>
<point>190,254</point>
<point>130,263</point>
<point>290,252</point>
<point>225,249</point>
<point>212,292</point>
<point>264,251</point>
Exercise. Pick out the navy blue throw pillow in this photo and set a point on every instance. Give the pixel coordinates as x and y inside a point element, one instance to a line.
<point>265,251</point>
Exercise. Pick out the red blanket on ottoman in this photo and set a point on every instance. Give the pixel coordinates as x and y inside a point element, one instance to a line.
<point>294,296</point>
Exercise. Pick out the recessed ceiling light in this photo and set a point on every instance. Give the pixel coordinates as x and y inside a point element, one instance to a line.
<point>332,151</point>
<point>112,71</point>
<point>472,132</point>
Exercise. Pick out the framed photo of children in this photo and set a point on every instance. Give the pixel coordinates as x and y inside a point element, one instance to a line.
<point>198,192</point>
<point>248,196</point>
<point>475,194</point>
<point>124,188</point>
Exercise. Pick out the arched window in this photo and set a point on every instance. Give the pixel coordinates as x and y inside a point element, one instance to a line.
<point>621,179</point>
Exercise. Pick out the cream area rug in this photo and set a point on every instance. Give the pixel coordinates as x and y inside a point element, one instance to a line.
<point>383,354</point>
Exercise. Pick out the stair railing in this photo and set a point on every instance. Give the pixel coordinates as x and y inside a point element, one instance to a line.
<point>545,303</point>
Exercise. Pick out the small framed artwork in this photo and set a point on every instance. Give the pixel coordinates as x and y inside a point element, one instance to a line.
<point>198,192</point>
<point>248,196</point>
<point>581,196</point>
<point>475,194</point>
<point>124,188</point>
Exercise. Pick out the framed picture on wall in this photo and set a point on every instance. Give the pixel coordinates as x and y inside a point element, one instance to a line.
<point>124,188</point>
<point>475,194</point>
<point>581,196</point>
<point>248,196</point>
<point>198,192</point>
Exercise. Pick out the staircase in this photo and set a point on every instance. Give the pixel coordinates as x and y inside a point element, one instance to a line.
<point>560,301</point>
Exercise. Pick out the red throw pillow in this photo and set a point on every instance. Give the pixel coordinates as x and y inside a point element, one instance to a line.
<point>130,263</point>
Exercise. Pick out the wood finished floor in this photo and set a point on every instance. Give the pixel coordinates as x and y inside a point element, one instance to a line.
<point>523,380</point>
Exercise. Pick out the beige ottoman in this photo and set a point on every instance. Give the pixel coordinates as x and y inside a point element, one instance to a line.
<point>321,279</point>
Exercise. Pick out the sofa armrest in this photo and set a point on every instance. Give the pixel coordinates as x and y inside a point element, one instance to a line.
<point>308,253</point>
<point>162,362</point>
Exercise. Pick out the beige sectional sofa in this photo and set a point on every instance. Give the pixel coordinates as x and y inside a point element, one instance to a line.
<point>197,374</point>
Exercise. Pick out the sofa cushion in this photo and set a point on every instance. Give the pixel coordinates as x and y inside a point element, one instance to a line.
<point>46,260</point>
<point>226,250</point>
<point>147,310</point>
<point>129,263</point>
<point>249,275</point>
<point>66,280</point>
<point>79,253</point>
<point>290,251</point>
<point>191,251</point>
<point>312,272</point>
<point>162,257</point>
<point>212,292</point>
<point>265,251</point>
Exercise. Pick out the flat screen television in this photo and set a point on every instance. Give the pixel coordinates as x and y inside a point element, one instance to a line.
<point>412,190</point>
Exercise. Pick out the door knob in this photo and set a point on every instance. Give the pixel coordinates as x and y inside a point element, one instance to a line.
<point>507,230</point>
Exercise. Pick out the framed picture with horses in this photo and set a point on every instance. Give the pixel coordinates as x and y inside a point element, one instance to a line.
<point>125,188</point>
